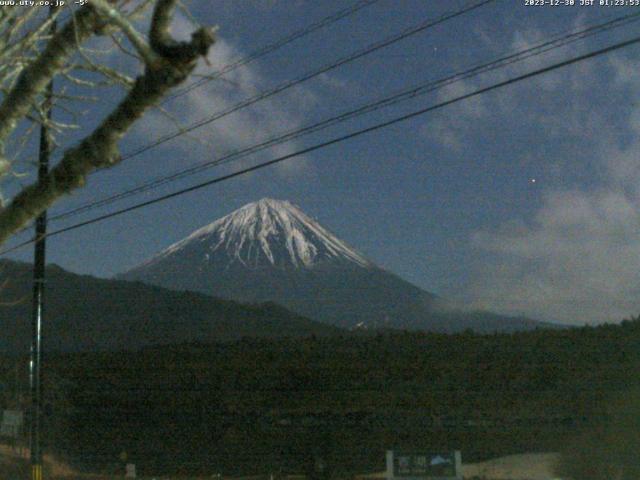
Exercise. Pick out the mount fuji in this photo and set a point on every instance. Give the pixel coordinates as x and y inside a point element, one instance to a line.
<point>271,251</point>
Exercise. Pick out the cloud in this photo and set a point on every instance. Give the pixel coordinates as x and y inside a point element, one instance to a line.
<point>577,259</point>
<point>450,127</point>
<point>245,127</point>
<point>537,99</point>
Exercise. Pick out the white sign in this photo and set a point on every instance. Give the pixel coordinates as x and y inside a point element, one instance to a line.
<point>130,470</point>
<point>402,465</point>
<point>11,423</point>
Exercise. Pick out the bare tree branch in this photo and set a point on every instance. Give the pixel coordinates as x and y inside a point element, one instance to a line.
<point>109,11</point>
<point>172,63</point>
<point>34,78</point>
<point>8,51</point>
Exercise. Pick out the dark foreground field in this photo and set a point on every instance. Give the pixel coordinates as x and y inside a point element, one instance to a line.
<point>256,406</point>
<point>15,465</point>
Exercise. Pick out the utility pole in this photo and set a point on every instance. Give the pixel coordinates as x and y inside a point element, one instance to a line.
<point>35,365</point>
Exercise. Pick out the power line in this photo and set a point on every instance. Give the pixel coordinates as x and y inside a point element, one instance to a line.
<point>261,52</point>
<point>403,95</point>
<point>340,139</point>
<point>308,76</point>
<point>428,23</point>
<point>291,83</point>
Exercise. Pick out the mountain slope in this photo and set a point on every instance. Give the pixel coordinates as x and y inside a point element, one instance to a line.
<point>87,313</point>
<point>271,251</point>
<point>269,234</point>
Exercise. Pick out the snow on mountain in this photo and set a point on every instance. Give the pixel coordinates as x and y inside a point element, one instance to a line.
<point>269,231</point>
<point>271,251</point>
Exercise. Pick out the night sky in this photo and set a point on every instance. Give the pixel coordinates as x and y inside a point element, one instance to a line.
<point>524,200</point>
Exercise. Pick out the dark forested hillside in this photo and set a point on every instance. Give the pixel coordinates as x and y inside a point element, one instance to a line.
<point>264,405</point>
<point>88,313</point>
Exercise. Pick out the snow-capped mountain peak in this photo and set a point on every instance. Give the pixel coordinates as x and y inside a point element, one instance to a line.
<point>267,232</point>
<point>270,251</point>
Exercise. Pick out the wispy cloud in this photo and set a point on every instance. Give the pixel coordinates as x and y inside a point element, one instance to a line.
<point>261,121</point>
<point>577,261</point>
<point>450,127</point>
<point>577,258</point>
